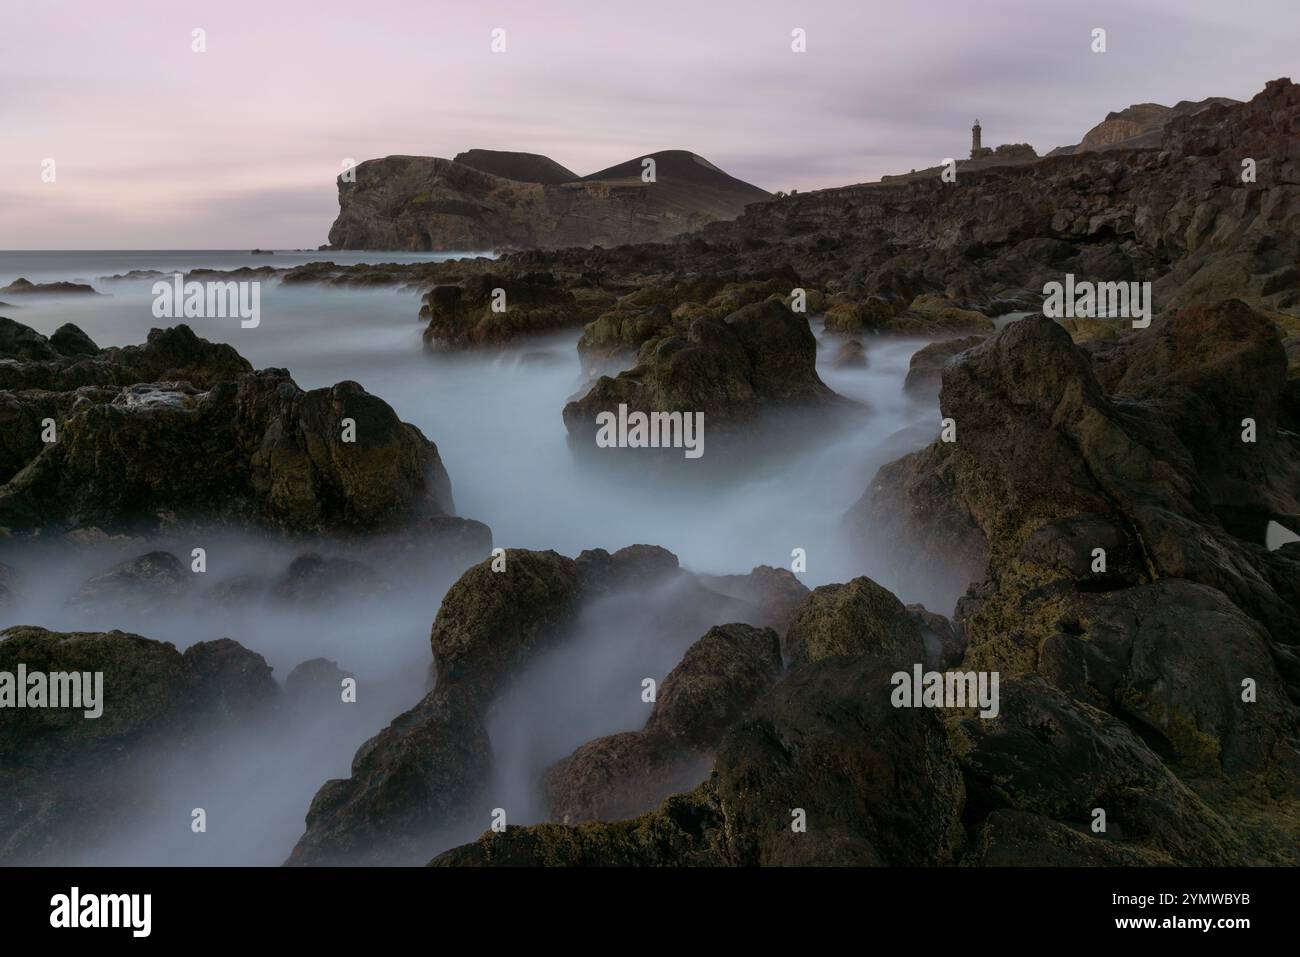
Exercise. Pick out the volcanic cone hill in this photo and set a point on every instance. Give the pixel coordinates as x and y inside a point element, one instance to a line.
<point>487,199</point>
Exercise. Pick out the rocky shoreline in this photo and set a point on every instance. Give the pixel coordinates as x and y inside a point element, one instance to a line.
<point>1099,496</point>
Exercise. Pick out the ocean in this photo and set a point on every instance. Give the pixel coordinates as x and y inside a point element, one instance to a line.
<point>495,416</point>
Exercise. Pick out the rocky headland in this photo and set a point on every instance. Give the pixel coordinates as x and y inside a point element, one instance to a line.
<point>1094,505</point>
<point>490,200</point>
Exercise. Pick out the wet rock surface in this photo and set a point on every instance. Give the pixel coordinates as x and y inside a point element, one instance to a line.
<point>1113,509</point>
<point>1099,512</point>
<point>925,369</point>
<point>491,309</point>
<point>874,785</point>
<point>71,780</point>
<point>1094,520</point>
<point>761,357</point>
<point>129,423</point>
<point>619,776</point>
<point>423,774</point>
<point>25,287</point>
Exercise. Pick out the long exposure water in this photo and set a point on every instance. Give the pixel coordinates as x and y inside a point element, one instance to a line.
<point>495,416</point>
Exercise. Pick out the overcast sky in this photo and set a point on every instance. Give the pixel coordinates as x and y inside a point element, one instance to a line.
<point>156,146</point>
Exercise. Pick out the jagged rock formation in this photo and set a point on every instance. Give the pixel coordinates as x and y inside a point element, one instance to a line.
<point>489,309</point>
<point>1134,446</point>
<point>70,781</point>
<point>1139,126</point>
<point>622,775</point>
<point>1177,213</point>
<point>762,356</point>
<point>485,200</point>
<point>877,785</point>
<point>1160,685</point>
<point>1180,215</point>
<point>921,256</point>
<point>182,431</point>
<point>25,287</point>
<point>1098,522</point>
<point>419,777</point>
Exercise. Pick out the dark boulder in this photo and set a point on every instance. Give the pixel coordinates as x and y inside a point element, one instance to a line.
<point>230,677</point>
<point>761,356</point>
<point>23,343</point>
<point>621,775</point>
<point>419,775</point>
<point>143,585</point>
<point>491,309</point>
<point>69,340</point>
<point>24,287</point>
<point>72,780</point>
<point>274,455</point>
<point>131,423</point>
<point>315,684</point>
<point>317,579</point>
<point>858,619</point>
<point>850,355</point>
<point>870,784</point>
<point>1049,755</point>
<point>924,371</point>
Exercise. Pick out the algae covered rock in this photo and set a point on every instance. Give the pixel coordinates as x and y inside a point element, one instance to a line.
<point>419,776</point>
<point>1049,755</point>
<point>491,309</point>
<point>686,830</point>
<point>856,619</point>
<point>76,772</point>
<point>924,370</point>
<point>251,449</point>
<point>620,775</point>
<point>147,688</point>
<point>760,357</point>
<point>866,783</point>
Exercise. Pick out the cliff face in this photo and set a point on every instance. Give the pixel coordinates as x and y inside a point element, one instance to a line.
<point>473,203</point>
<point>1140,126</point>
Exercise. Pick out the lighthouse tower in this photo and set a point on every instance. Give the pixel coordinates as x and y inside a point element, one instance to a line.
<point>975,139</point>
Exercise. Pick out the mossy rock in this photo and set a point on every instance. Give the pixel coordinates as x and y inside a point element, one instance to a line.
<point>855,620</point>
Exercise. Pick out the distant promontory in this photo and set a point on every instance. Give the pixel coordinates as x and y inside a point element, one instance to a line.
<point>489,199</point>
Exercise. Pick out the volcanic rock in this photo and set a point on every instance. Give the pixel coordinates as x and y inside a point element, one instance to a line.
<point>622,775</point>
<point>484,200</point>
<point>22,287</point>
<point>761,356</point>
<point>217,443</point>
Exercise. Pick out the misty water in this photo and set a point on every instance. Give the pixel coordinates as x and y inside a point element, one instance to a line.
<point>495,416</point>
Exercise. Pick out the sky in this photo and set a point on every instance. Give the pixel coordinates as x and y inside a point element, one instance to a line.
<point>156,146</point>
